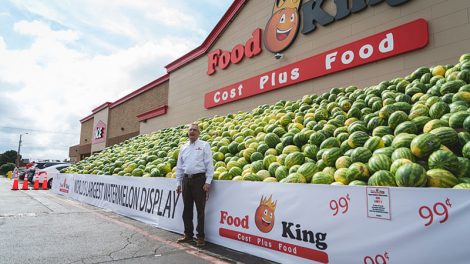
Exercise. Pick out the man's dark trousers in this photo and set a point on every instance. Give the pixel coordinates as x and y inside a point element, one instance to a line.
<point>194,194</point>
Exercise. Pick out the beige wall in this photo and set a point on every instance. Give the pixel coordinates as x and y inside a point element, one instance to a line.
<point>86,131</point>
<point>449,38</point>
<point>125,115</point>
<point>100,116</point>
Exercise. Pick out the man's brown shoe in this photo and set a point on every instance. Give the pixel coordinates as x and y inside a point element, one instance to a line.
<point>200,242</point>
<point>185,239</point>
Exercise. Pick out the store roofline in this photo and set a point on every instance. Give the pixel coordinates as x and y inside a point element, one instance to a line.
<point>126,98</point>
<point>223,23</point>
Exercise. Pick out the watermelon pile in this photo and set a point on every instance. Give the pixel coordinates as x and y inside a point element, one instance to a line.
<point>407,132</point>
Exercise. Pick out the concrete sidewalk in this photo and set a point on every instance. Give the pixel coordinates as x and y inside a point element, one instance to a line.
<point>42,227</point>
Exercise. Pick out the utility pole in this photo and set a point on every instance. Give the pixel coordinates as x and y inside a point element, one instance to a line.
<point>18,153</point>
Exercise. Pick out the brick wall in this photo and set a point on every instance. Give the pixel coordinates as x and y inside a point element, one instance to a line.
<point>124,115</point>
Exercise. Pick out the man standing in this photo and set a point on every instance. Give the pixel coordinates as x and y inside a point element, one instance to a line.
<point>194,172</point>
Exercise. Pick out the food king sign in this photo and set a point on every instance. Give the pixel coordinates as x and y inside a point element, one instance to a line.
<point>223,58</point>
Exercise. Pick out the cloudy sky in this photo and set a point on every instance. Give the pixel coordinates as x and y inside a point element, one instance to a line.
<point>59,59</point>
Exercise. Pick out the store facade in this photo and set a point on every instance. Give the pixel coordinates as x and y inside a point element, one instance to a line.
<point>319,45</point>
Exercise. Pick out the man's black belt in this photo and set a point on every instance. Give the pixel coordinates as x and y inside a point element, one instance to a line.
<point>192,176</point>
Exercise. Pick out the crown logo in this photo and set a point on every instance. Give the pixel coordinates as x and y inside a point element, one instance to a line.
<point>268,202</point>
<point>283,4</point>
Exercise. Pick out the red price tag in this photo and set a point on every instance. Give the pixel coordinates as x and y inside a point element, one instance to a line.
<point>378,259</point>
<point>438,209</point>
<point>341,204</point>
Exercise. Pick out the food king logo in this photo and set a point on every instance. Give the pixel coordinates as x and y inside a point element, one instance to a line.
<point>283,26</point>
<point>265,222</point>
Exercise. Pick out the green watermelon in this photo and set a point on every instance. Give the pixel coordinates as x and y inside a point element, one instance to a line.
<point>456,119</point>
<point>448,136</point>
<point>358,171</point>
<point>361,154</point>
<point>439,109</point>
<point>433,124</point>
<point>357,139</point>
<point>397,118</point>
<point>386,151</point>
<point>466,150</point>
<point>410,175</point>
<point>441,178</point>
<point>295,158</point>
<point>271,140</point>
<point>464,167</point>
<point>402,153</point>
<point>425,144</point>
<point>281,173</point>
<point>374,143</point>
<point>341,175</point>
<point>308,170</point>
<point>381,131</point>
<point>397,164</point>
<point>406,127</point>
<point>294,178</point>
<point>403,140</point>
<point>382,178</point>
<point>379,162</point>
<point>359,183</point>
<point>343,162</point>
<point>442,159</point>
<point>330,143</point>
<point>322,178</point>
<point>462,186</point>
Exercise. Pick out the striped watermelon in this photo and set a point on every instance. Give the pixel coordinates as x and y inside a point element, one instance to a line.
<point>441,178</point>
<point>433,124</point>
<point>382,178</point>
<point>281,173</point>
<point>374,143</point>
<point>388,139</point>
<point>466,150</point>
<point>386,151</point>
<point>464,167</point>
<point>451,86</point>
<point>359,171</point>
<point>402,153</point>
<point>397,164</point>
<point>294,178</point>
<point>330,156</point>
<point>330,143</point>
<point>381,131</point>
<point>397,118</point>
<point>357,139</point>
<point>456,119</point>
<point>272,140</point>
<point>322,178</point>
<point>361,154</point>
<point>310,151</point>
<point>343,162</point>
<point>439,109</point>
<point>357,183</point>
<point>295,158</point>
<point>308,170</point>
<point>462,186</point>
<point>403,140</point>
<point>379,162</point>
<point>406,127</point>
<point>342,175</point>
<point>442,159</point>
<point>411,175</point>
<point>424,144</point>
<point>448,136</point>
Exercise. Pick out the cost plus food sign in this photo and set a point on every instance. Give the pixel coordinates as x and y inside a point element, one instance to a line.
<point>241,228</point>
<point>391,42</point>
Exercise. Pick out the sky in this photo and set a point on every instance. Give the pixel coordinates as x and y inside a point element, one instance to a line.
<point>59,59</point>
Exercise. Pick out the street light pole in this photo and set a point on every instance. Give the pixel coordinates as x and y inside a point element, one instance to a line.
<point>18,153</point>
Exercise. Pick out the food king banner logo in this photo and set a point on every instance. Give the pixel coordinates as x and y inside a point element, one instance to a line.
<point>283,26</point>
<point>240,228</point>
<point>99,133</point>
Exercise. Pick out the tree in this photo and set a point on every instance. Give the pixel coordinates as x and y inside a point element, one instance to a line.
<point>8,157</point>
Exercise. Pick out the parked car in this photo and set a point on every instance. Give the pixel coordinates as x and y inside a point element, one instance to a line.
<point>51,172</point>
<point>39,166</point>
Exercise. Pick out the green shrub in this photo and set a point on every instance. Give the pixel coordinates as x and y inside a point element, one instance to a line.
<point>5,168</point>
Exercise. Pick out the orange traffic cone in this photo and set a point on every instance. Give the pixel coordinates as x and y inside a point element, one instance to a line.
<point>15,184</point>
<point>44,183</point>
<point>25,183</point>
<point>36,184</point>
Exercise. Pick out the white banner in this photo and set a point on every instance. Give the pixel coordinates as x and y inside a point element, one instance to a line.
<point>300,223</point>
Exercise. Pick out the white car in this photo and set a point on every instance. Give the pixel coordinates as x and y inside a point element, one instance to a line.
<point>51,172</point>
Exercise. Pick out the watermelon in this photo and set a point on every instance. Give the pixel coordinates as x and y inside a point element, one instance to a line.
<point>441,178</point>
<point>403,140</point>
<point>294,178</point>
<point>379,162</point>
<point>386,151</point>
<point>433,124</point>
<point>388,139</point>
<point>382,178</point>
<point>295,158</point>
<point>361,154</point>
<point>411,175</point>
<point>374,143</point>
<point>281,173</point>
<point>381,131</point>
<point>456,119</point>
<point>425,144</point>
<point>357,183</point>
<point>439,109</point>
<point>330,143</point>
<point>462,186</point>
<point>357,139</point>
<point>406,127</point>
<point>466,123</point>
<point>358,171</point>
<point>402,153</point>
<point>322,178</point>
<point>446,135</point>
<point>343,162</point>
<point>272,140</point>
<point>451,86</point>
<point>442,159</point>
<point>397,164</point>
<point>341,175</point>
<point>466,150</point>
<point>464,168</point>
<point>308,170</point>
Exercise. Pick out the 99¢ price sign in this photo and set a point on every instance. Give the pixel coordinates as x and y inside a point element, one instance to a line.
<point>340,205</point>
<point>439,210</point>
